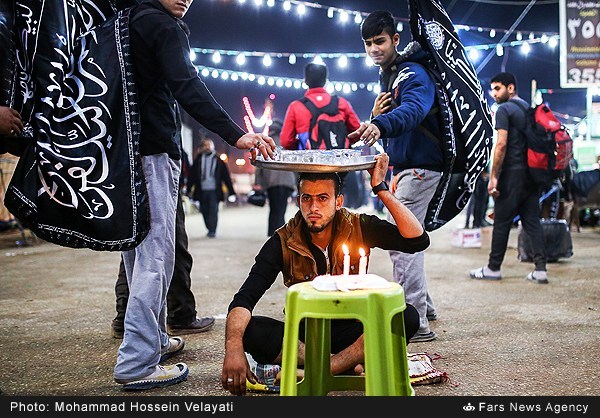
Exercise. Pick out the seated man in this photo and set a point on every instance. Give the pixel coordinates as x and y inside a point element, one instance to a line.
<point>310,244</point>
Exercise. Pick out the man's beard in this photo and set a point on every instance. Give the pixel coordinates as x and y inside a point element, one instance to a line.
<point>314,228</point>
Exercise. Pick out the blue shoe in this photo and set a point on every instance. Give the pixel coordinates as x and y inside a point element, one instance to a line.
<point>163,376</point>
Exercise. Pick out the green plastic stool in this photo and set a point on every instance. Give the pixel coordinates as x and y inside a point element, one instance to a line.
<point>381,313</point>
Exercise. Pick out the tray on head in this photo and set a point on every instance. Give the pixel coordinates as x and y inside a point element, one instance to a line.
<point>322,161</point>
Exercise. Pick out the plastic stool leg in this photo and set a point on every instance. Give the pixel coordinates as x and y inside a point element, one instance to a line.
<point>289,361</point>
<point>317,353</point>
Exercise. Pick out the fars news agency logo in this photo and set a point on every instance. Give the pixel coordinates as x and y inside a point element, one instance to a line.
<point>468,407</point>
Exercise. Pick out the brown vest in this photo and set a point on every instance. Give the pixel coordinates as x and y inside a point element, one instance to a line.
<point>299,264</point>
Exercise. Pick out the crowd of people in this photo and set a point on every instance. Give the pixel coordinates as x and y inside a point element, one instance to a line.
<point>154,301</point>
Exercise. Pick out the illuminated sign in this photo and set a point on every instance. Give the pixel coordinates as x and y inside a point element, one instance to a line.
<point>579,43</point>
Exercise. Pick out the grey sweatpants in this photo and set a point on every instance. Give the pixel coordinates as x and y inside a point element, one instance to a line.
<point>415,189</point>
<point>149,269</point>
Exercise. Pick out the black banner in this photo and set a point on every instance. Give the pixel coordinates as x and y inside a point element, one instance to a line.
<point>465,119</point>
<point>79,183</point>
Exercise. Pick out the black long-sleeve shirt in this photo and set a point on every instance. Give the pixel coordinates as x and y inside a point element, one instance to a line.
<point>165,75</point>
<point>268,263</point>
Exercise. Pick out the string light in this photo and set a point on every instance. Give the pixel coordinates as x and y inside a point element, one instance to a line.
<point>284,82</point>
<point>344,14</point>
<point>343,57</point>
<point>241,57</point>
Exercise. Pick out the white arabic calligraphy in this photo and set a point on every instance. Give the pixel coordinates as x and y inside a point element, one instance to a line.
<point>76,182</point>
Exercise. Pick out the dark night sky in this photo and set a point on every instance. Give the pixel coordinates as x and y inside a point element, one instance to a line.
<point>229,25</point>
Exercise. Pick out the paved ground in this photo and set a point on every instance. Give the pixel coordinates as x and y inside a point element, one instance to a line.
<point>495,338</point>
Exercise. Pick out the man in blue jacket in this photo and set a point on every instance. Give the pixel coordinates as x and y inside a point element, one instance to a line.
<point>403,116</point>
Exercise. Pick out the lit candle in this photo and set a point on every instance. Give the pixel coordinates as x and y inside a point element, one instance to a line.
<point>362,264</point>
<point>346,260</point>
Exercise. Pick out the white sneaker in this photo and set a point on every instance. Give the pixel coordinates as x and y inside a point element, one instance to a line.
<point>175,347</point>
<point>161,377</point>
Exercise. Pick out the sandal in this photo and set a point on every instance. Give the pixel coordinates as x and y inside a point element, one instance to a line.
<point>479,274</point>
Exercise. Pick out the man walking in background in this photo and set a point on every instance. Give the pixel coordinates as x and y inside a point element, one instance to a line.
<point>208,175</point>
<point>300,130</point>
<point>511,187</point>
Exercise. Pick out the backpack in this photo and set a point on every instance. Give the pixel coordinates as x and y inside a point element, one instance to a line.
<point>549,145</point>
<point>464,118</point>
<point>327,126</point>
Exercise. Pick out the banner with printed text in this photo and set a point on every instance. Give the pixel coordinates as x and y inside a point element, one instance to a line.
<point>579,43</point>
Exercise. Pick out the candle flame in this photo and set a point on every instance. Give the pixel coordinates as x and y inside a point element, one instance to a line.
<point>345,249</point>
<point>361,252</point>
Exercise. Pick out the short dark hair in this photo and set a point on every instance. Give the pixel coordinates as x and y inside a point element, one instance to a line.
<point>316,176</point>
<point>315,75</point>
<point>377,22</point>
<point>505,79</point>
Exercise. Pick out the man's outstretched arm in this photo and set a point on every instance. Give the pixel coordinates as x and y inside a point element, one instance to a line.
<point>408,225</point>
<point>235,365</point>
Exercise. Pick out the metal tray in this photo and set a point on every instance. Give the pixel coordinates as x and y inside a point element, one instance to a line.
<point>312,167</point>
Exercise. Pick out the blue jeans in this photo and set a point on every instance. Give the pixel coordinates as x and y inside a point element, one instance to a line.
<point>149,268</point>
<point>415,189</point>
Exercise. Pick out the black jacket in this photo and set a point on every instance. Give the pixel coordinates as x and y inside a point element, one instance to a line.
<point>164,74</point>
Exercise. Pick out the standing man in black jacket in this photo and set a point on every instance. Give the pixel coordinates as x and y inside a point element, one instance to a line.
<point>164,77</point>
<point>208,175</point>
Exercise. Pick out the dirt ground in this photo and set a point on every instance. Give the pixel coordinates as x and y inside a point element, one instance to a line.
<point>509,337</point>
